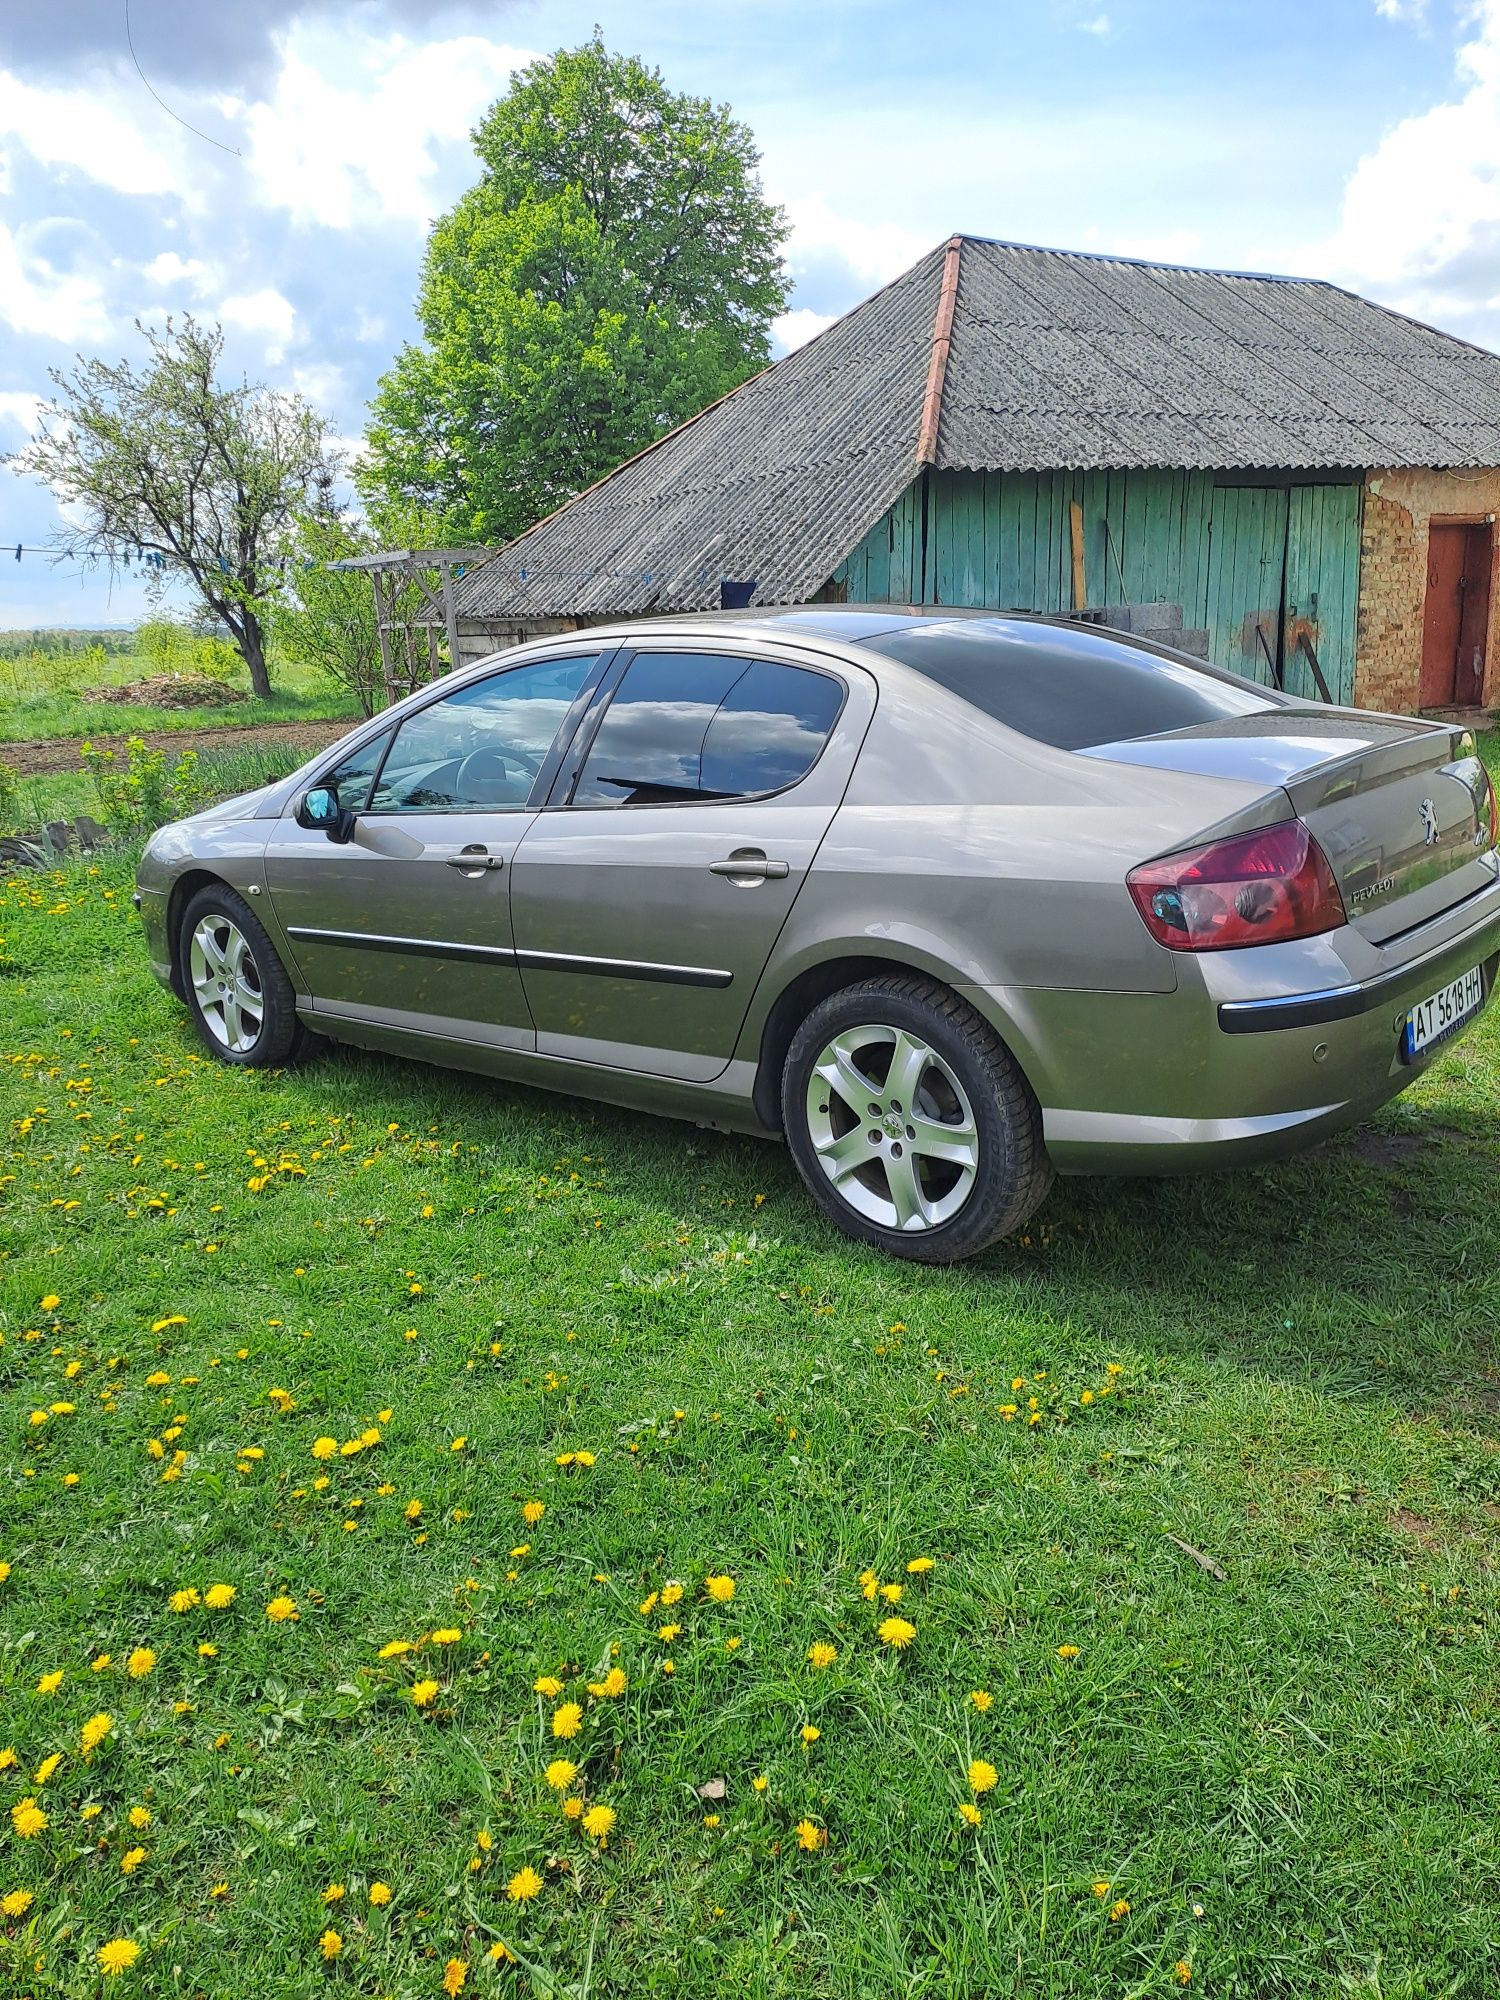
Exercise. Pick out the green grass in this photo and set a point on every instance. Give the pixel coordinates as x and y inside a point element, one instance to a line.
<point>1288,1773</point>
<point>34,706</point>
<point>224,773</point>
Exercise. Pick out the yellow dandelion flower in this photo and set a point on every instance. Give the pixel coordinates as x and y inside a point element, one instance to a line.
<point>533,1511</point>
<point>50,1303</point>
<point>599,1822</point>
<point>810,1734</point>
<point>1067,1652</point>
<point>413,1510</point>
<point>983,1777</point>
<point>8,1758</point>
<point>219,1596</point>
<point>920,1565</point>
<point>446,1635</point>
<point>484,1840</point>
<point>567,1720</point>
<point>759,1784</point>
<point>94,1732</point>
<point>16,1903</point>
<point>132,1860</point>
<point>1118,1910</point>
<point>547,1685</point>
<point>891,1592</point>
<point>810,1836</point>
<point>1182,1972</point>
<point>458,1444</point>
<point>614,1683</point>
<point>455,1973</point>
<point>821,1654</point>
<point>668,1632</point>
<point>560,1773</point>
<point>335,1893</point>
<point>45,1769</point>
<point>282,1610</point>
<point>380,1894</point>
<point>208,1650</point>
<point>139,1817</point>
<point>118,1956</point>
<point>524,1886</point>
<point>50,1683</point>
<point>970,1814</point>
<point>671,1593</point>
<point>423,1693</point>
<point>982,1700</point>
<point>28,1819</point>
<point>184,1600</point>
<point>330,1944</point>
<point>219,1891</point>
<point>1102,1889</point>
<point>897,1633</point>
<point>719,1588</point>
<point>501,1953</point>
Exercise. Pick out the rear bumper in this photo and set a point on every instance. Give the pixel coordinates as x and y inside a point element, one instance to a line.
<point>1217,1074</point>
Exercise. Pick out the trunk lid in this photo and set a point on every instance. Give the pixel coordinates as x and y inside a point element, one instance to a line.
<point>1397,805</point>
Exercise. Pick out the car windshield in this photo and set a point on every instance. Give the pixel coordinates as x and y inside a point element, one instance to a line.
<point>1070,686</point>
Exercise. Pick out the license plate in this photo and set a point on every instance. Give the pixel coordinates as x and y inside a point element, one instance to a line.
<point>1432,1020</point>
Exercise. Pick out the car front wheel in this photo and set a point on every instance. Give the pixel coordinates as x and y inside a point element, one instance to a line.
<point>910,1122</point>
<point>237,988</point>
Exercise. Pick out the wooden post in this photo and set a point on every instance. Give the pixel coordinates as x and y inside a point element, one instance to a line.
<point>450,616</point>
<point>387,668</point>
<point>1080,590</point>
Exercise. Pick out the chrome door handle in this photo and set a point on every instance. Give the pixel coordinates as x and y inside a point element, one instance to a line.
<point>475,860</point>
<point>749,864</point>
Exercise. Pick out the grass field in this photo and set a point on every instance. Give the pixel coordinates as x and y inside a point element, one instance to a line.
<point>40,699</point>
<point>224,773</point>
<point>485,1389</point>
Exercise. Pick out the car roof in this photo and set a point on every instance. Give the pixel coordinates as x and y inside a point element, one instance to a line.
<point>848,624</point>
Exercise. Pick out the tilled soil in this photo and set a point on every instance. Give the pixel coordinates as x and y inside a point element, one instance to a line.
<point>61,754</point>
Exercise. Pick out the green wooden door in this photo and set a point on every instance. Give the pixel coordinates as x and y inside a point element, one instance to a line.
<point>1322,588</point>
<point>1247,530</point>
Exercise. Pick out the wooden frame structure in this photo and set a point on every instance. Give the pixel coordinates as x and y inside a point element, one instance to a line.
<point>413,590</point>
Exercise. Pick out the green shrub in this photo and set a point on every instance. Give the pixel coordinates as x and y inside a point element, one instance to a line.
<point>172,646</point>
<point>10,798</point>
<point>142,793</point>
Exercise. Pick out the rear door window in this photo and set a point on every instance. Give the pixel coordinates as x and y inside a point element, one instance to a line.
<point>686,727</point>
<point>1072,687</point>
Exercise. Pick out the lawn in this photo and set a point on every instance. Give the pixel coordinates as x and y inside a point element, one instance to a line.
<point>528,1413</point>
<point>41,698</point>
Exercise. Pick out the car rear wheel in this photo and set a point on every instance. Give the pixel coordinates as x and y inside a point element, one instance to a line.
<point>910,1121</point>
<point>237,988</point>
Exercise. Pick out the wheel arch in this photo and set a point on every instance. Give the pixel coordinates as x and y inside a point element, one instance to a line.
<point>813,983</point>
<point>179,896</point>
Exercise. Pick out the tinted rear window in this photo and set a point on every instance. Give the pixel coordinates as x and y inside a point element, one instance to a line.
<point>1072,688</point>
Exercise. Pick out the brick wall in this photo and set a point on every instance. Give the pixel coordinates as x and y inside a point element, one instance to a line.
<point>1398,508</point>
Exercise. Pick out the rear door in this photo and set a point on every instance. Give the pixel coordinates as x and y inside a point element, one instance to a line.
<point>647,900</point>
<point>408,924</point>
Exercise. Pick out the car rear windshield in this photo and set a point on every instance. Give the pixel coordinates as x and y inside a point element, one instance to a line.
<point>1070,686</point>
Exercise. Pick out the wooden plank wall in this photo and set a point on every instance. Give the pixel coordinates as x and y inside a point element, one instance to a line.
<point>1001,540</point>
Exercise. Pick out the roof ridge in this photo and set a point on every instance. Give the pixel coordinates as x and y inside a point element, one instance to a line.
<point>1151,263</point>
<point>942,342</point>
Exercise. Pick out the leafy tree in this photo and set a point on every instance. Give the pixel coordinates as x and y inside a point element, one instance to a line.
<point>615,269</point>
<point>166,461</point>
<point>326,617</point>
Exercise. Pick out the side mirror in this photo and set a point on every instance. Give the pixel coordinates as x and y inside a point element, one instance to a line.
<point>319,810</point>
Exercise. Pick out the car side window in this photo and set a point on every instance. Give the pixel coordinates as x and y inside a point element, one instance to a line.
<point>700,726</point>
<point>353,777</point>
<point>480,748</point>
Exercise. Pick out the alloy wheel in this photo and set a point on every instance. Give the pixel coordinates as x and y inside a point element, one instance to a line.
<point>892,1127</point>
<point>226,981</point>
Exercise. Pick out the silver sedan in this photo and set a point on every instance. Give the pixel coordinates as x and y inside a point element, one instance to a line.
<point>948,902</point>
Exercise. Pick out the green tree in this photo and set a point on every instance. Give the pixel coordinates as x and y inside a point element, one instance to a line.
<point>615,269</point>
<point>169,462</point>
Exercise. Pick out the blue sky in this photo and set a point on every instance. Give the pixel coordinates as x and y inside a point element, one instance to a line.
<point>1352,139</point>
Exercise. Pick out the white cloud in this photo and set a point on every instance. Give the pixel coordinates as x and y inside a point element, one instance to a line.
<point>170,269</point>
<point>321,382</point>
<point>19,407</point>
<point>1402,10</point>
<point>1099,26</point>
<point>368,326</point>
<point>351,130</point>
<point>1421,214</point>
<point>265,312</point>
<point>796,328</point>
<point>37,298</point>
<point>84,131</point>
<point>875,251</point>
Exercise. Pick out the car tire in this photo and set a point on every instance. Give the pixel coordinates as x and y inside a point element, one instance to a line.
<point>236,987</point>
<point>910,1121</point>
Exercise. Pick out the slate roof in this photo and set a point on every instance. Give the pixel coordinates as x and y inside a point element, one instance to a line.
<point>1056,360</point>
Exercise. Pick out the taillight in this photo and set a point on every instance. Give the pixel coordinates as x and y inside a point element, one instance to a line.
<point>1256,888</point>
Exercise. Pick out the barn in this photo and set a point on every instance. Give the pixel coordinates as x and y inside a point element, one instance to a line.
<point>1271,472</point>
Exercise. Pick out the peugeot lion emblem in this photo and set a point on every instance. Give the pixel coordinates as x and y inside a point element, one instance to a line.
<point>1429,823</point>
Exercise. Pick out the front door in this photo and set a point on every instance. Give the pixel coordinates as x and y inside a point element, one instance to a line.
<point>408,925</point>
<point>1455,619</point>
<point>647,902</point>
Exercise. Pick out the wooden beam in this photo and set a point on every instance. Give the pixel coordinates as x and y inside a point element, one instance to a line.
<point>937,367</point>
<point>1080,583</point>
<point>450,616</point>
